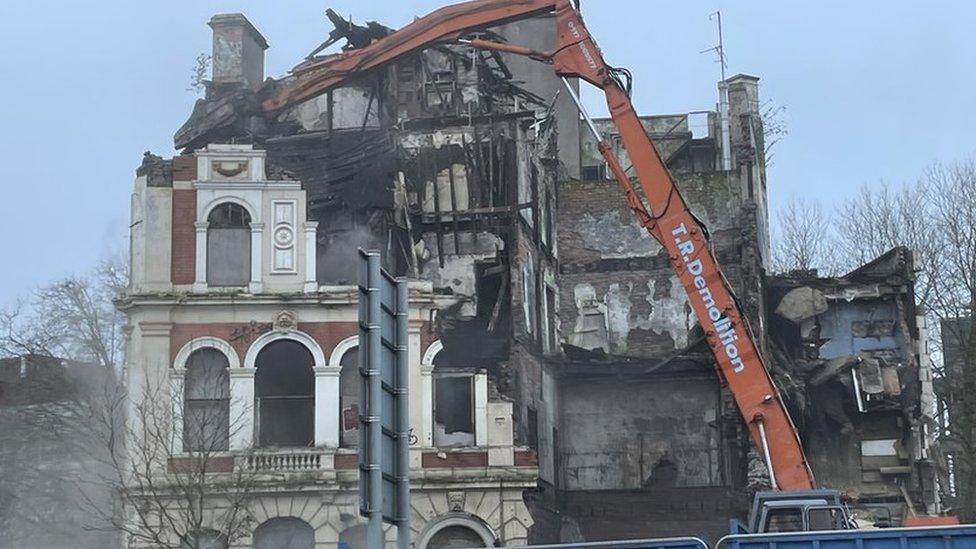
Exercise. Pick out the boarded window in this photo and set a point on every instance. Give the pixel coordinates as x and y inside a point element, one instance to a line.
<point>206,402</point>
<point>349,399</point>
<point>284,388</point>
<point>453,408</point>
<point>228,246</point>
<point>284,533</point>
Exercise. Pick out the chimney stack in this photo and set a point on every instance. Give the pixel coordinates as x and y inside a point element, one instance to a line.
<point>238,52</point>
<point>743,97</point>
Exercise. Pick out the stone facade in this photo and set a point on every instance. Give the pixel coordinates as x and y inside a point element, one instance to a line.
<point>172,318</point>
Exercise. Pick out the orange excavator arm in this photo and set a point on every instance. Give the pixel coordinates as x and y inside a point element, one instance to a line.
<point>665,215</point>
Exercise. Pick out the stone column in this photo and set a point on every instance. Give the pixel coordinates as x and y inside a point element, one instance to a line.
<point>311,284</point>
<point>200,277</point>
<point>327,406</point>
<point>501,450</point>
<point>257,258</point>
<point>176,378</point>
<point>415,392</point>
<point>481,409</point>
<point>427,404</point>
<point>149,383</point>
<point>242,408</point>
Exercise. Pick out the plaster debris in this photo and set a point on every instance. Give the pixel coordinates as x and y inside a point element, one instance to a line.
<point>802,303</point>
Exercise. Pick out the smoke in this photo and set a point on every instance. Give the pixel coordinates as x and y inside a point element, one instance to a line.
<point>53,461</point>
<point>338,257</point>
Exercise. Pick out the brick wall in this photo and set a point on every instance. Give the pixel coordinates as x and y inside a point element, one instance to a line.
<point>183,266</point>
<point>241,335</point>
<point>184,168</point>
<point>604,250</point>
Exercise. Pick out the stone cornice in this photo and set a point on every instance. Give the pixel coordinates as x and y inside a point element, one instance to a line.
<point>272,184</point>
<point>155,329</point>
<point>420,294</point>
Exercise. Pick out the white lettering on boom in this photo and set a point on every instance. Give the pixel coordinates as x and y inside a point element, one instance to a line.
<point>721,326</point>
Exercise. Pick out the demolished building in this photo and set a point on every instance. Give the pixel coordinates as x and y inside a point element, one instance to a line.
<point>561,388</point>
<point>244,246</point>
<point>852,353</point>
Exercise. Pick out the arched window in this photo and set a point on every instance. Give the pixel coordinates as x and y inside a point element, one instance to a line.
<point>284,387</point>
<point>228,245</point>
<point>455,536</point>
<point>284,533</point>
<point>349,399</point>
<point>453,405</point>
<point>206,402</point>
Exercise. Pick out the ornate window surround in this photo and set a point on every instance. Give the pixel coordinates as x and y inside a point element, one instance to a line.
<point>177,376</point>
<point>480,396</point>
<point>257,239</point>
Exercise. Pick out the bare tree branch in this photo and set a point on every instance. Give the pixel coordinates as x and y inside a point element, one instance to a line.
<point>803,239</point>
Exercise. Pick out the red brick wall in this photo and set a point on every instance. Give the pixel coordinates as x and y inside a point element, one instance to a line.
<point>183,262</point>
<point>427,336</point>
<point>346,461</point>
<point>454,459</point>
<point>329,334</point>
<point>241,335</point>
<point>184,168</point>
<point>583,263</point>
<point>526,458</point>
<point>450,459</point>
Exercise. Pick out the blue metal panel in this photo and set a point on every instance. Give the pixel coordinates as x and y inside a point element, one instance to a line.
<point>384,362</point>
<point>835,327</point>
<point>662,543</point>
<point>941,537</point>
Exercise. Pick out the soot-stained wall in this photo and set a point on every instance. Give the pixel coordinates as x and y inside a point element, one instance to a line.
<point>619,292</point>
<point>640,434</point>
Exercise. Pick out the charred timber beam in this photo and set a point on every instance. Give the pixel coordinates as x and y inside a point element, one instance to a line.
<point>452,120</point>
<point>497,210</point>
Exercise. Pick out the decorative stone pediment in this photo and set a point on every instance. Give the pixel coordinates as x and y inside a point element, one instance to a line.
<point>219,162</point>
<point>283,243</point>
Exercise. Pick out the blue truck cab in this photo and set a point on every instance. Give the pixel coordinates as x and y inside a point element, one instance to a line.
<point>798,511</point>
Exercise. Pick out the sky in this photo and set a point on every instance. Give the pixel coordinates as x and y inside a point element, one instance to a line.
<point>873,91</point>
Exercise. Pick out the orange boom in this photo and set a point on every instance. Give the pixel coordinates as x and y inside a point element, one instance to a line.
<point>664,215</point>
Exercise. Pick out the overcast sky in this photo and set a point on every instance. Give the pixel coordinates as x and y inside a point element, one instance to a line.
<point>874,90</point>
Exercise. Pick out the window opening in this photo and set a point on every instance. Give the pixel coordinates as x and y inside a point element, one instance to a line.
<point>206,402</point>
<point>284,388</point>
